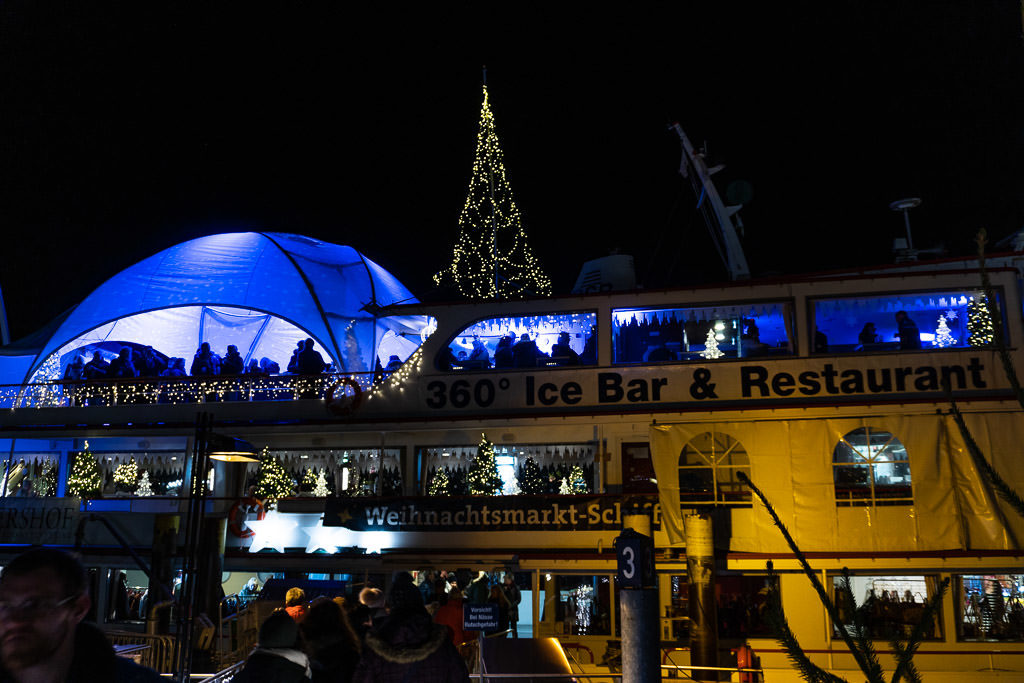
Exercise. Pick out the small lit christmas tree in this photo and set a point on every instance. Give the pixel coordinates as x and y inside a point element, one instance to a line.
<point>511,487</point>
<point>320,488</point>
<point>492,259</point>
<point>979,322</point>
<point>563,488</point>
<point>530,480</point>
<point>577,480</point>
<point>483,477</point>
<point>85,479</point>
<point>126,475</point>
<point>145,488</point>
<point>711,347</point>
<point>272,482</point>
<point>45,483</point>
<point>943,338</point>
<point>440,483</point>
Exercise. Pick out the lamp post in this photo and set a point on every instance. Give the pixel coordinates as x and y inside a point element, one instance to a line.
<point>206,446</point>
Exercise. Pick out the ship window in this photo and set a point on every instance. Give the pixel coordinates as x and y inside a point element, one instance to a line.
<point>346,472</point>
<point>548,469</point>
<point>891,606</point>
<point>871,468</point>
<point>991,607</point>
<point>708,465</point>
<point>575,605</point>
<point>529,341</point>
<point>701,334</point>
<point>903,322</point>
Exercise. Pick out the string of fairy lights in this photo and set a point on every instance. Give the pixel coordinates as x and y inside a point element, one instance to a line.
<point>491,258</point>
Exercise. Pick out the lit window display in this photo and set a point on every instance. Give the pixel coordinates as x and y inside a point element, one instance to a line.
<point>531,341</point>
<point>871,467</point>
<point>991,607</point>
<point>320,473</point>
<point>891,606</point>
<point>708,466</point>
<point>701,333</point>
<point>548,469</point>
<point>575,605</point>
<point>31,475</point>
<point>908,321</point>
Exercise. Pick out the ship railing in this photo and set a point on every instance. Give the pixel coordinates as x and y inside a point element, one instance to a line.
<point>338,387</point>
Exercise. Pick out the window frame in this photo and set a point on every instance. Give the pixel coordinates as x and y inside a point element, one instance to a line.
<point>717,497</point>
<point>869,463</point>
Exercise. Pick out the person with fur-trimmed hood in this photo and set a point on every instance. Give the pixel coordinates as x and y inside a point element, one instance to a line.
<point>408,646</point>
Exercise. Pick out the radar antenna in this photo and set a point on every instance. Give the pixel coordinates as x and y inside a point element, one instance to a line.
<point>723,223</point>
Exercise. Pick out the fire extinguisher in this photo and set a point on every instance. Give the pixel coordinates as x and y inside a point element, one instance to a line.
<point>746,659</point>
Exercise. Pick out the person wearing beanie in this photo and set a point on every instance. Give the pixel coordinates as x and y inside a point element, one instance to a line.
<point>407,646</point>
<point>295,604</point>
<point>279,657</point>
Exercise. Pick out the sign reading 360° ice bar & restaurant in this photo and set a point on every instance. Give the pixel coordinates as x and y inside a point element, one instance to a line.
<point>688,387</point>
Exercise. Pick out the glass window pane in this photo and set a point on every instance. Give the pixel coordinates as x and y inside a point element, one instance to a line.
<point>902,322</point>
<point>870,467</point>
<point>530,341</point>
<point>890,606</point>
<point>575,605</point>
<point>701,333</point>
<point>708,466</point>
<point>991,607</point>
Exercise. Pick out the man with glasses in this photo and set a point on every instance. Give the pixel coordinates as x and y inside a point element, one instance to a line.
<point>43,599</point>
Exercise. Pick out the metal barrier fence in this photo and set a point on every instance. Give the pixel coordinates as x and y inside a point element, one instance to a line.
<point>159,649</point>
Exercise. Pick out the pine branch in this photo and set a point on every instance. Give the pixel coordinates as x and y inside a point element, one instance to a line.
<point>905,652</point>
<point>776,618</point>
<point>866,661</point>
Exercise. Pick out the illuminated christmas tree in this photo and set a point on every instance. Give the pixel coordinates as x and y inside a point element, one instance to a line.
<point>45,483</point>
<point>943,338</point>
<point>126,475</point>
<point>85,479</point>
<point>491,257</point>
<point>711,347</point>
<point>145,488</point>
<point>272,482</point>
<point>511,487</point>
<point>320,488</point>
<point>483,478</point>
<point>563,488</point>
<point>979,322</point>
<point>530,480</point>
<point>440,483</point>
<point>577,481</point>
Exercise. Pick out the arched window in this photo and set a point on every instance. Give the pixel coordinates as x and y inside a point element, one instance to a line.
<point>871,468</point>
<point>707,470</point>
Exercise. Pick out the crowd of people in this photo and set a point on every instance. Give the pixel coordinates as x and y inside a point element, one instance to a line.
<point>135,361</point>
<point>413,633</point>
<point>522,353</point>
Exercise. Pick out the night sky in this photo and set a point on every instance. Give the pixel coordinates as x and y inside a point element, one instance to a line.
<point>127,128</point>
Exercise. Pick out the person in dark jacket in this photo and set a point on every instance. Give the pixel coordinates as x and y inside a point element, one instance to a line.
<point>503,355</point>
<point>332,645</point>
<point>279,657</point>
<point>43,599</point>
<point>407,646</point>
<point>122,366</point>
<point>309,361</point>
<point>205,362</point>
<point>525,352</point>
<point>514,596</point>
<point>232,363</point>
<point>96,368</point>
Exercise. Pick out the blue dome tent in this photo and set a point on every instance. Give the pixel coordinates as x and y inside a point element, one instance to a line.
<point>262,292</point>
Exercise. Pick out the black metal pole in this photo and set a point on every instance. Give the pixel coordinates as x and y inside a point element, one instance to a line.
<point>196,511</point>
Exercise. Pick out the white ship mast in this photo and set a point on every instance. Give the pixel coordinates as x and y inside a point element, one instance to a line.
<point>720,218</point>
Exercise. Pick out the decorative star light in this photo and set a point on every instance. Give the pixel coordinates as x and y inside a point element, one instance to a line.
<point>273,531</point>
<point>326,538</point>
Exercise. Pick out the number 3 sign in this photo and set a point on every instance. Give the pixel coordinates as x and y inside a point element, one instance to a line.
<point>635,555</point>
